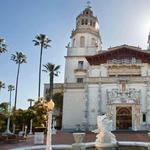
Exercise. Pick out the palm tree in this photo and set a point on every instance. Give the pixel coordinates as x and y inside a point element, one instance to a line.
<point>19,58</point>
<point>52,70</point>
<point>43,41</point>
<point>10,89</point>
<point>2,85</point>
<point>2,46</point>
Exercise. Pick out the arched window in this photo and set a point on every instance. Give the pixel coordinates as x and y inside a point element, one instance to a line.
<point>86,22</point>
<point>73,43</point>
<point>90,22</point>
<point>82,41</point>
<point>82,23</point>
<point>93,24</point>
<point>93,42</point>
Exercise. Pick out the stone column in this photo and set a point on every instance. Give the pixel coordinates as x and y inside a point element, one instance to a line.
<point>136,114</point>
<point>100,98</point>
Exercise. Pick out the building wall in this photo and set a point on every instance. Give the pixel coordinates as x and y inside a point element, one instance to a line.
<point>73,108</point>
<point>91,95</point>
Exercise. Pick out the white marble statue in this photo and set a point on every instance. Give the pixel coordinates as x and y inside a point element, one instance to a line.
<point>104,131</point>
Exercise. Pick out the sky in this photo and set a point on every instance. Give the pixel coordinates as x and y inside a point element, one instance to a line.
<point>121,22</point>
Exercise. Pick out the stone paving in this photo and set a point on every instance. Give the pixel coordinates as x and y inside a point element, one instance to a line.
<point>67,138</point>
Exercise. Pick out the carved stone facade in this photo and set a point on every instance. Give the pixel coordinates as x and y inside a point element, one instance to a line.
<point>115,82</point>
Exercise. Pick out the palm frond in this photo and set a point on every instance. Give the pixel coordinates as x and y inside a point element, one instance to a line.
<point>44,71</point>
<point>11,87</point>
<point>19,58</point>
<point>43,40</point>
<point>2,85</point>
<point>57,68</point>
<point>3,46</point>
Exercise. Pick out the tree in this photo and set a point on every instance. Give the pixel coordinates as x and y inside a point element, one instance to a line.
<point>19,58</point>
<point>58,100</point>
<point>23,118</point>
<point>40,108</point>
<point>43,41</point>
<point>10,89</point>
<point>3,115</point>
<point>3,46</point>
<point>2,85</point>
<point>52,71</point>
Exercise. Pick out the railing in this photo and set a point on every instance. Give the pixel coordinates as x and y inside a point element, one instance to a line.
<point>80,70</point>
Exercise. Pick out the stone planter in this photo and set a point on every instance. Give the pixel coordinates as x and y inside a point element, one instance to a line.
<point>78,137</point>
<point>39,138</point>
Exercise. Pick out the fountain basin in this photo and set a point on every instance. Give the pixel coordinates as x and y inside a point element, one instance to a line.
<point>106,146</point>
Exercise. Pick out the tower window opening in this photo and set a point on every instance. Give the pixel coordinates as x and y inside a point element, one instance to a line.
<point>93,24</point>
<point>82,23</point>
<point>87,12</point>
<point>82,41</point>
<point>78,23</point>
<point>93,42</point>
<point>90,22</point>
<point>86,22</point>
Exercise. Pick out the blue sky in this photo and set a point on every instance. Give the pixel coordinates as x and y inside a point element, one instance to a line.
<point>121,22</point>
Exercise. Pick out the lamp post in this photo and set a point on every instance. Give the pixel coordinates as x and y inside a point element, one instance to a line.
<point>10,89</point>
<point>30,101</point>
<point>50,106</point>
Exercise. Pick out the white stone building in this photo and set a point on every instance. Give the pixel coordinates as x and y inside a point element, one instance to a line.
<point>115,82</point>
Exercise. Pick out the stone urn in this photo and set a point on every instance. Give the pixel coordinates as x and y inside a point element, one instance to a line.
<point>78,137</point>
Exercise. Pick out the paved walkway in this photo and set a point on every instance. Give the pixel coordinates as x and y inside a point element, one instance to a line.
<point>67,138</point>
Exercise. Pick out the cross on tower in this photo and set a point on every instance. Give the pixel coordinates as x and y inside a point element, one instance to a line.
<point>88,4</point>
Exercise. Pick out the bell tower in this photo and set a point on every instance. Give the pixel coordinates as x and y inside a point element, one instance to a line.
<point>85,41</point>
<point>86,33</point>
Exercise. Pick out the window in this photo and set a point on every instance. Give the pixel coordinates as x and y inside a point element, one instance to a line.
<point>82,41</point>
<point>91,22</point>
<point>82,23</point>
<point>79,80</point>
<point>86,22</point>
<point>80,64</point>
<point>93,42</point>
<point>144,117</point>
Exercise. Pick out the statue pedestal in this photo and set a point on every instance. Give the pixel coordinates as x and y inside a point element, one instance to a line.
<point>78,146</point>
<point>106,146</point>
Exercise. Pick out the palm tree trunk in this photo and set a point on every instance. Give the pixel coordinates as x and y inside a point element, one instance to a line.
<point>16,91</point>
<point>51,85</point>
<point>8,119</point>
<point>39,88</point>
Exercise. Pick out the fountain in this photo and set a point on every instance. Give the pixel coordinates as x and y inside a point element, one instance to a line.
<point>105,140</point>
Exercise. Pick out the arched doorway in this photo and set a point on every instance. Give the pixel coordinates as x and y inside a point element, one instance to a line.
<point>123,117</point>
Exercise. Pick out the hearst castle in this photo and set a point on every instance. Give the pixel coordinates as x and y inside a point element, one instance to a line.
<point>115,81</point>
